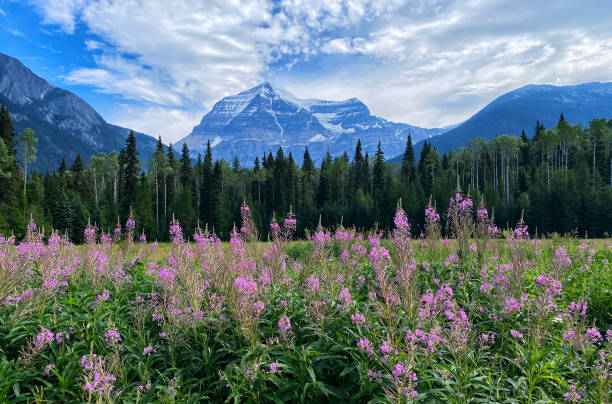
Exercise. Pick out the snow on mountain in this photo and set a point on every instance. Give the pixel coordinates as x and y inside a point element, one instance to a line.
<point>257,121</point>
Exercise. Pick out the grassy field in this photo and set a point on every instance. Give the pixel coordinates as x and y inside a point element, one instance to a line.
<point>343,317</point>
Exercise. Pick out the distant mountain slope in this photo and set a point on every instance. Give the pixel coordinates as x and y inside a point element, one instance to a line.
<point>521,108</point>
<point>265,117</point>
<point>64,124</point>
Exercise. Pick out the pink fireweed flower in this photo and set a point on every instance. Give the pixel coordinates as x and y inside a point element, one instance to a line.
<point>364,345</point>
<point>130,225</point>
<point>44,338</point>
<point>513,305</point>
<point>450,260</point>
<point>380,259</point>
<point>516,334</point>
<point>147,350</point>
<point>273,368</point>
<point>486,287</point>
<point>259,307</point>
<point>345,297</point>
<point>284,326</point>
<point>97,381</point>
<point>402,226</point>
<point>551,286</point>
<point>312,284</point>
<point>358,319</point>
<point>593,336</point>
<point>375,376</point>
<point>101,298</point>
<point>112,337</point>
<point>570,336</point>
<point>487,338</point>
<point>385,348</point>
<point>431,216</point>
<point>521,232</point>
<point>572,396</point>
<point>89,234</point>
<point>48,369</point>
<point>482,215</point>
<point>290,224</point>
<point>176,233</point>
<point>577,308</point>
<point>561,258</point>
<point>245,285</point>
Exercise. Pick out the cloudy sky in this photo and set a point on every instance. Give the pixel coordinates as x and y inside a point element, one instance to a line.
<point>158,65</point>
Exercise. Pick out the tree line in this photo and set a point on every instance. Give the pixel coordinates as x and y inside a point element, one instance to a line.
<point>559,180</point>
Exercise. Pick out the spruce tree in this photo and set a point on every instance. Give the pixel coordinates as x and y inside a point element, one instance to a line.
<point>186,169</point>
<point>357,176</point>
<point>408,169</point>
<point>378,175</point>
<point>236,164</point>
<point>130,174</point>
<point>185,211</point>
<point>62,168</point>
<point>7,133</point>
<point>207,195</point>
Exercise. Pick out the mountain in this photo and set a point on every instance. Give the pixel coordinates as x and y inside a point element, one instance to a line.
<point>64,124</point>
<point>261,119</point>
<point>521,108</point>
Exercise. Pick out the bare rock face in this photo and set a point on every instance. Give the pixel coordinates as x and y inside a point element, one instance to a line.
<point>64,124</point>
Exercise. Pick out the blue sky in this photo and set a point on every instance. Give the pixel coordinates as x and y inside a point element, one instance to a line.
<point>158,65</point>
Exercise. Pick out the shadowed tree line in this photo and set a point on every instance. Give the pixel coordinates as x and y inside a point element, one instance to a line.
<point>559,179</point>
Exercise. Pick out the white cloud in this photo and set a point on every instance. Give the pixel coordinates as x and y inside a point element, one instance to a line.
<point>16,32</point>
<point>60,12</point>
<point>425,62</point>
<point>171,124</point>
<point>2,12</point>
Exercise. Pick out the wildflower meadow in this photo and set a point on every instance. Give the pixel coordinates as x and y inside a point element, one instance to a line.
<point>485,315</point>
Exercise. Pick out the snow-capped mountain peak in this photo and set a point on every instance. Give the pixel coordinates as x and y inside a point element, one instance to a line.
<point>261,119</point>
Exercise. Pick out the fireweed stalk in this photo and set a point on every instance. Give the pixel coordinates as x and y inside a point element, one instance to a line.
<point>405,262</point>
<point>518,247</point>
<point>486,230</point>
<point>461,222</point>
<point>384,294</point>
<point>432,228</point>
<point>274,259</point>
